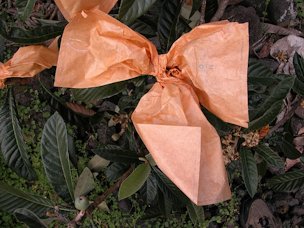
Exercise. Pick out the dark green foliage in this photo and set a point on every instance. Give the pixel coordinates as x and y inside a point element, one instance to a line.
<point>12,144</point>
<point>55,157</point>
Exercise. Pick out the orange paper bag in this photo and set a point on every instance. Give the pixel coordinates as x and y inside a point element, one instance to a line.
<point>206,66</point>
<point>31,60</point>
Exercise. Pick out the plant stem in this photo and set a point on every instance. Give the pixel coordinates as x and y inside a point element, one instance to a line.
<point>108,192</point>
<point>99,200</point>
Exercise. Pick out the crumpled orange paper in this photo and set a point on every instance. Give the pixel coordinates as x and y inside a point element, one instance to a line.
<point>31,60</point>
<point>207,65</point>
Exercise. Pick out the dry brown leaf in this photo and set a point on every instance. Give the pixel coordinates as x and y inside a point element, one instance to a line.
<point>259,211</point>
<point>301,131</point>
<point>276,29</point>
<point>80,109</point>
<point>264,131</point>
<point>289,163</point>
<point>298,141</point>
<point>283,51</point>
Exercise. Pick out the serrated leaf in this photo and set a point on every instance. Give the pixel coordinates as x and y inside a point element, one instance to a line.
<point>288,149</point>
<point>257,69</point>
<point>85,183</point>
<point>130,10</point>
<point>143,28</point>
<point>116,154</point>
<point>11,140</point>
<point>169,189</point>
<point>29,218</point>
<point>55,156</point>
<point>249,171</point>
<point>266,117</point>
<point>33,36</point>
<point>298,63</point>
<point>25,8</point>
<point>167,23</point>
<point>277,94</point>
<point>12,199</point>
<point>290,181</point>
<point>196,5</point>
<point>270,156</point>
<point>134,181</point>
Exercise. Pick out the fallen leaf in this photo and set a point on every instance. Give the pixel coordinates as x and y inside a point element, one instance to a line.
<point>289,163</point>
<point>97,163</point>
<point>283,51</point>
<point>260,212</point>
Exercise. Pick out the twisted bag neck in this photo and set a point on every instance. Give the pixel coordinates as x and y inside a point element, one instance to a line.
<point>207,65</point>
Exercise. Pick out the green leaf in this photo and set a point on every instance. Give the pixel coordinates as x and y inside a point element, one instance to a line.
<point>288,149</point>
<point>12,199</point>
<point>59,105</point>
<point>99,93</point>
<point>267,117</point>
<point>115,170</point>
<point>11,140</point>
<point>55,156</point>
<point>85,183</point>
<point>116,154</point>
<point>196,213</point>
<point>167,23</point>
<point>130,10</point>
<point>298,63</point>
<point>277,94</point>
<point>268,155</point>
<point>150,190</point>
<point>258,69</point>
<point>196,5</point>
<point>33,36</point>
<point>221,127</point>
<point>72,151</point>
<point>249,171</point>
<point>143,28</point>
<point>135,181</point>
<point>290,181</point>
<point>169,189</point>
<point>26,8</point>
<point>298,87</point>
<point>29,218</point>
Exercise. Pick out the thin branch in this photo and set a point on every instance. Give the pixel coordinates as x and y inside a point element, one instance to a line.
<point>108,192</point>
<point>203,10</point>
<point>99,200</point>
